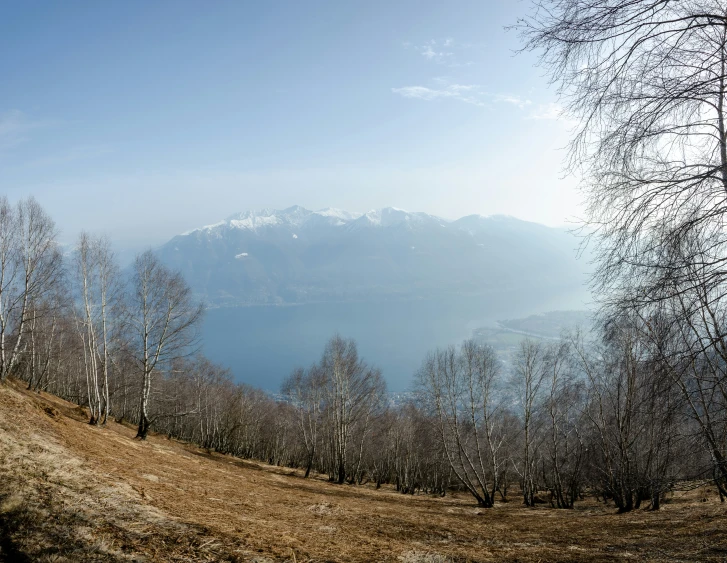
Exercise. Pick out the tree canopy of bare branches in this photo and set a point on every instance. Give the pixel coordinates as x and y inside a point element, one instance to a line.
<point>30,265</point>
<point>164,319</point>
<point>646,81</point>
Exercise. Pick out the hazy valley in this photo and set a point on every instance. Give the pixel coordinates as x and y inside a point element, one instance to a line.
<point>278,284</point>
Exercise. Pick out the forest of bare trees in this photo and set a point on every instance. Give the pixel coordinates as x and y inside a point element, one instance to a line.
<point>646,82</point>
<point>623,413</point>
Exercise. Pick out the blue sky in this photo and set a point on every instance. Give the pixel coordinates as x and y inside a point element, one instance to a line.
<point>146,119</point>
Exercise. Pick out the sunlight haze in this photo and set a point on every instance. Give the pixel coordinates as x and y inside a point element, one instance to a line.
<point>111,111</point>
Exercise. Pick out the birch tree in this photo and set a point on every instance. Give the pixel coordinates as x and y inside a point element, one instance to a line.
<point>458,388</point>
<point>30,265</point>
<point>530,375</point>
<point>43,332</point>
<point>646,83</point>
<point>305,389</point>
<point>353,393</point>
<point>164,319</point>
<point>86,320</point>
<point>565,442</point>
<point>99,291</point>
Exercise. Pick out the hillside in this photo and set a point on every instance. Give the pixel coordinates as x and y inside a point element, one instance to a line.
<point>71,492</point>
<point>300,256</point>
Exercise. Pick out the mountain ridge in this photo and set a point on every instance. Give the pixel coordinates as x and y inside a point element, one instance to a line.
<point>297,216</point>
<point>296,255</point>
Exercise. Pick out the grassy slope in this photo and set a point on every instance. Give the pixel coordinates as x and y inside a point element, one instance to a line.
<point>71,492</point>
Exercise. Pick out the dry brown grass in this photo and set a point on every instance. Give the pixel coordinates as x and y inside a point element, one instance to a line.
<point>71,492</point>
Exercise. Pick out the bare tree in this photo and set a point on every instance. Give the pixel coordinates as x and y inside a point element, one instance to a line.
<point>634,413</point>
<point>689,343</point>
<point>647,81</point>
<point>164,319</point>
<point>110,298</point>
<point>99,297</point>
<point>458,389</point>
<point>565,444</point>
<point>87,329</point>
<point>530,374</point>
<point>306,391</point>
<point>30,265</point>
<point>43,333</point>
<point>353,395</point>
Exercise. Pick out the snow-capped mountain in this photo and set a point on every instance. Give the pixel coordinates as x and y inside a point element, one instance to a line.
<point>296,255</point>
<point>297,217</point>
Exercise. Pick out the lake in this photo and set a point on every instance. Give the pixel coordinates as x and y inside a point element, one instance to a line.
<point>262,344</point>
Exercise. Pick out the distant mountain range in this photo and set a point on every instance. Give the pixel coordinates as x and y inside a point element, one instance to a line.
<point>296,255</point>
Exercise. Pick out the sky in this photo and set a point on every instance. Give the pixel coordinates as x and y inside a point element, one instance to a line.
<point>143,120</point>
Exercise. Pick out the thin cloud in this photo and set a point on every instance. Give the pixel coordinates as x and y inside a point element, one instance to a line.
<point>439,51</point>
<point>442,51</point>
<point>467,93</point>
<point>432,52</point>
<point>550,111</point>
<point>461,92</point>
<point>513,100</point>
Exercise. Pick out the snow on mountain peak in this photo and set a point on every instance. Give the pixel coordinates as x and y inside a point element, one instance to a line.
<point>337,213</point>
<point>254,221</point>
<point>298,218</point>
<point>393,216</point>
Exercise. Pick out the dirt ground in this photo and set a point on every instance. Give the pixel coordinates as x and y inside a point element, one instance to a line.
<point>72,492</point>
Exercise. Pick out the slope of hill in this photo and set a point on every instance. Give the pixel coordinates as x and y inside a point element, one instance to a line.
<point>300,256</point>
<point>72,492</point>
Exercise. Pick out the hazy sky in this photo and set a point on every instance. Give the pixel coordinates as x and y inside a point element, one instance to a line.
<point>146,119</point>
